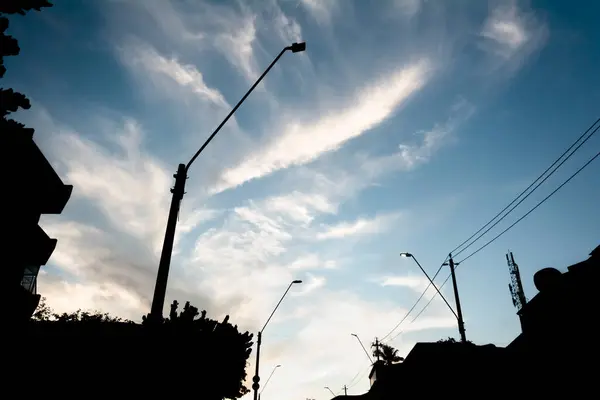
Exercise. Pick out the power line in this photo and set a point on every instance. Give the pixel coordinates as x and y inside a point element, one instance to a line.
<point>526,189</point>
<point>359,379</point>
<point>355,376</point>
<point>500,213</point>
<point>504,231</point>
<point>530,211</point>
<point>416,302</point>
<point>533,190</point>
<point>426,305</point>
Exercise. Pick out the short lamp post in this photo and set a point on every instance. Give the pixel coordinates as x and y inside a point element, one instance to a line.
<point>268,379</point>
<point>458,312</point>
<point>256,378</point>
<point>363,347</point>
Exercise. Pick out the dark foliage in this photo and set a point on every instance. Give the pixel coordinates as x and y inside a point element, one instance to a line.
<point>386,353</point>
<point>8,44</point>
<point>43,312</point>
<point>187,347</point>
<point>22,6</point>
<point>11,101</point>
<point>451,340</point>
<point>227,349</point>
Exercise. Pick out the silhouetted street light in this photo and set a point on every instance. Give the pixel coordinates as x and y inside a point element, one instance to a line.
<point>160,288</point>
<point>458,314</point>
<point>363,347</point>
<point>268,379</point>
<point>330,391</point>
<point>256,377</point>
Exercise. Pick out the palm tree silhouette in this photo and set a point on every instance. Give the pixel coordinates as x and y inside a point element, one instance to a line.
<point>386,353</point>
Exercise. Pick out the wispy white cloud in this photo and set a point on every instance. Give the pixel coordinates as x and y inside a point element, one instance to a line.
<point>361,226</point>
<point>406,281</point>
<point>312,261</point>
<point>321,10</point>
<point>236,46</point>
<point>311,283</point>
<point>128,186</point>
<point>411,155</point>
<point>144,57</point>
<point>408,8</point>
<point>301,143</point>
<point>512,33</point>
<point>301,207</point>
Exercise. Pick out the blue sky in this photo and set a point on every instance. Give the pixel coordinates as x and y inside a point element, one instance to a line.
<point>403,127</point>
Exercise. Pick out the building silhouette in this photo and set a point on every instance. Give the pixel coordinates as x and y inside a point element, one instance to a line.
<point>33,188</point>
<point>559,339</point>
<point>554,355</point>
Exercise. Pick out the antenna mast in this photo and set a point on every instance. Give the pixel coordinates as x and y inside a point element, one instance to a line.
<point>515,285</point>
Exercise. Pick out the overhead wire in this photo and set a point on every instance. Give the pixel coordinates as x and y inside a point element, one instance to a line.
<point>500,213</point>
<point>533,209</point>
<point>504,231</point>
<point>355,376</point>
<point>529,187</point>
<point>415,304</point>
<point>362,375</point>
<point>524,198</point>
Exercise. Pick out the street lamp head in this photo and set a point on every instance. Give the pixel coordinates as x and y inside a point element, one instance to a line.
<point>297,281</point>
<point>278,365</point>
<point>298,47</point>
<point>407,255</point>
<point>354,334</point>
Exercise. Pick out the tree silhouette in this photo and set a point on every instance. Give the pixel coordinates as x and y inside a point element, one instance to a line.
<point>211,352</point>
<point>386,353</point>
<point>9,46</point>
<point>220,343</point>
<point>44,313</point>
<point>451,340</point>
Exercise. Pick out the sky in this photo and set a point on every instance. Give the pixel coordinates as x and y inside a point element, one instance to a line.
<point>405,126</point>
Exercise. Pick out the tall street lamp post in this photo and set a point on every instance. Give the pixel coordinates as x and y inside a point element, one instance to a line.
<point>458,313</point>
<point>363,347</point>
<point>268,379</point>
<point>256,378</point>
<point>160,288</point>
<point>330,391</point>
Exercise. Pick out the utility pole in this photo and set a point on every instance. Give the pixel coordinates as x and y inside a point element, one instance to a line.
<point>461,323</point>
<point>377,344</point>
<point>160,288</point>
<point>345,390</point>
<point>178,191</point>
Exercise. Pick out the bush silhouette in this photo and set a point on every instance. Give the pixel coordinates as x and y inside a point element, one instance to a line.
<point>188,346</point>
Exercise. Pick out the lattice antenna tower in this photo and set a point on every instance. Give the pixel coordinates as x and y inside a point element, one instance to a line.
<point>515,285</point>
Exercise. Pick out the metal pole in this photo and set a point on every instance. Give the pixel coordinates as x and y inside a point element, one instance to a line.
<point>345,391</point>
<point>434,285</point>
<point>256,378</point>
<point>236,107</point>
<point>160,288</point>
<point>268,379</point>
<point>363,347</point>
<point>461,324</point>
<point>330,391</point>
